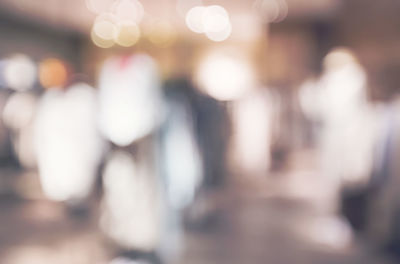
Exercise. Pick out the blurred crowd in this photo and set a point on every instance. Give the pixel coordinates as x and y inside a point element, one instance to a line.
<point>145,151</point>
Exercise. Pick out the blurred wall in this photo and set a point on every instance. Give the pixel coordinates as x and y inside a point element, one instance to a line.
<point>38,40</point>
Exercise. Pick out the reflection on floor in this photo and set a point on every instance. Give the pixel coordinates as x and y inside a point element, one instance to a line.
<point>276,231</point>
<point>279,220</point>
<point>245,229</point>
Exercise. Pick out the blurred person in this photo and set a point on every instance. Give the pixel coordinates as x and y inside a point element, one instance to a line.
<point>9,164</point>
<point>180,157</point>
<point>5,133</point>
<point>132,208</point>
<point>347,133</point>
<point>68,145</point>
<point>252,136</point>
<point>193,153</point>
<point>130,99</point>
<point>20,76</point>
<point>223,74</point>
<point>384,211</point>
<point>131,110</point>
<point>18,115</point>
<point>213,130</point>
<point>377,50</point>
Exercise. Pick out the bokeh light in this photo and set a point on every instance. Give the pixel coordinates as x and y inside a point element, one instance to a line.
<point>215,18</point>
<point>99,6</point>
<point>105,26</point>
<point>130,10</point>
<point>212,20</point>
<point>118,24</point>
<point>52,73</point>
<point>161,33</point>
<point>339,57</point>
<point>19,110</point>
<point>20,72</point>
<point>194,19</point>
<point>128,34</point>
<point>271,11</point>
<point>100,42</point>
<point>220,35</point>
<point>104,30</point>
<point>225,75</point>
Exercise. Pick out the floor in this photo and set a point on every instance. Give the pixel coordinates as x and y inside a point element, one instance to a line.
<point>279,222</point>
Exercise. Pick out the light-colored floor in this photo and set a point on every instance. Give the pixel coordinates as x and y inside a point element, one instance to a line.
<point>276,231</point>
<point>246,229</point>
<point>277,221</point>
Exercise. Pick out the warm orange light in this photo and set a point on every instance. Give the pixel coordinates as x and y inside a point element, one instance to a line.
<point>52,73</point>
